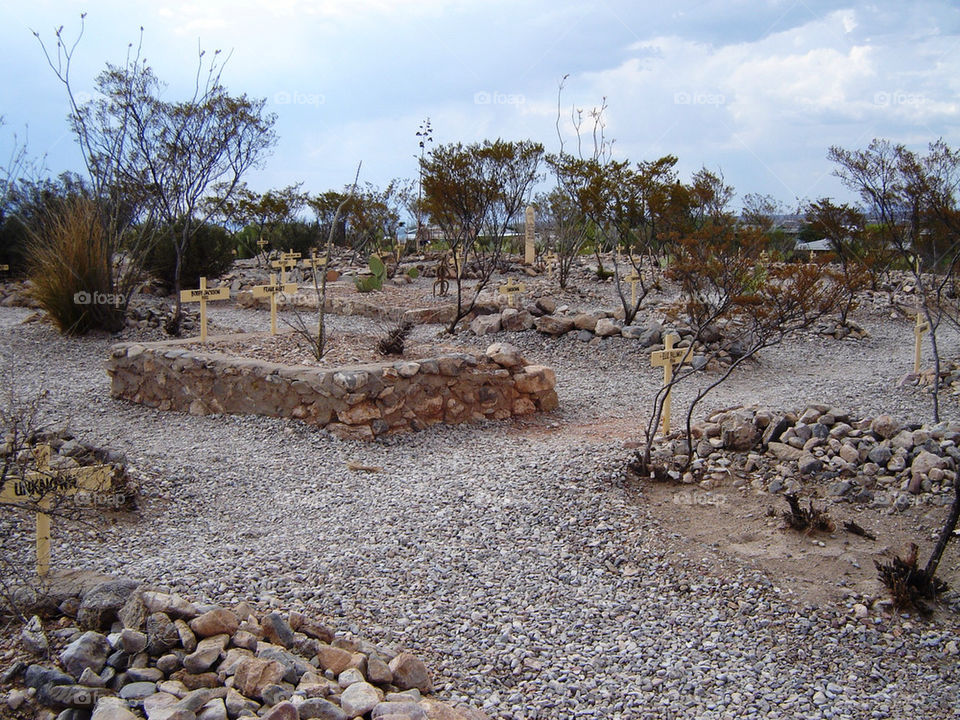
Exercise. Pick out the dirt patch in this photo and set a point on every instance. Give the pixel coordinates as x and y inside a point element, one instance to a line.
<point>819,567</point>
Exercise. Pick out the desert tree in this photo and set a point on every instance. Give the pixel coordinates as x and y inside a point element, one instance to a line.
<point>911,203</point>
<point>474,193</point>
<point>727,293</point>
<point>265,214</point>
<point>845,229</point>
<point>567,227</point>
<point>169,156</point>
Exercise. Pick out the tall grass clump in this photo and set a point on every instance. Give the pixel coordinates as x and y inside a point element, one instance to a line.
<point>69,263</point>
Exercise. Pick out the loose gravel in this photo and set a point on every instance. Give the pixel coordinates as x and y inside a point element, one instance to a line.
<point>513,558</point>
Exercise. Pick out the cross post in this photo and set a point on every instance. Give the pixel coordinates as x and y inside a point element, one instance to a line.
<point>667,358</point>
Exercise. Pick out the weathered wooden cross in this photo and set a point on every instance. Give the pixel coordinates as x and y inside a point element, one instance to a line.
<point>634,280</point>
<point>284,265</point>
<point>45,485</point>
<point>550,259</point>
<point>511,289</point>
<point>261,243</point>
<point>203,294</point>
<point>271,291</point>
<point>918,331</point>
<point>667,358</point>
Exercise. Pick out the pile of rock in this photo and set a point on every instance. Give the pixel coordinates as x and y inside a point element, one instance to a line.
<point>145,317</point>
<point>133,652</point>
<point>17,294</point>
<point>714,346</point>
<point>878,461</point>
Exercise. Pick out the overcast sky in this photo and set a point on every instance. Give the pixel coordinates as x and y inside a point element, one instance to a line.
<point>758,90</point>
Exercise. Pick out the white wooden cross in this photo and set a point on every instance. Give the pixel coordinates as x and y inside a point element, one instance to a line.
<point>43,486</point>
<point>271,291</point>
<point>203,294</point>
<point>511,289</point>
<point>667,358</point>
<point>633,279</point>
<point>918,331</point>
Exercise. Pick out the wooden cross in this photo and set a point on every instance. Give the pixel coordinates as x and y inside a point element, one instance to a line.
<point>4,268</point>
<point>45,485</point>
<point>667,358</point>
<point>313,262</point>
<point>551,258</point>
<point>633,279</point>
<point>284,265</point>
<point>261,243</point>
<point>511,289</point>
<point>918,330</point>
<point>202,295</point>
<point>271,291</point>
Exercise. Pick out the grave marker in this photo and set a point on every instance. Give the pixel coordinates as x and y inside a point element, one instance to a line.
<point>529,244</point>
<point>271,291</point>
<point>203,294</point>
<point>4,268</point>
<point>511,289</point>
<point>667,358</point>
<point>550,259</point>
<point>633,279</point>
<point>918,332</point>
<point>284,266</point>
<point>43,486</point>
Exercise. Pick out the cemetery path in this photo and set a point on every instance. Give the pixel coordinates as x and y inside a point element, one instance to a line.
<point>514,558</point>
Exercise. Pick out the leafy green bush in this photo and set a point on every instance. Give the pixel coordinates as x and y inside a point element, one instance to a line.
<point>209,253</point>
<point>69,262</point>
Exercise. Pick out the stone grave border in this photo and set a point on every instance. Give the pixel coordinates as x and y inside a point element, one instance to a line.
<point>357,401</point>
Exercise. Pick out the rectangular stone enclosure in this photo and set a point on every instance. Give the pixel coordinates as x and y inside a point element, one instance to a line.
<point>360,401</point>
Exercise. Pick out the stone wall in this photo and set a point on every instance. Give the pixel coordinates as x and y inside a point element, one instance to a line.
<point>362,401</point>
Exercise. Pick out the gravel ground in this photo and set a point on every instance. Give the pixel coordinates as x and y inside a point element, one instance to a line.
<point>512,557</point>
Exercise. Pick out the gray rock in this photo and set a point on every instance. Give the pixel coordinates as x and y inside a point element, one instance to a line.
<point>880,454</point>
<point>132,641</point>
<point>207,653</point>
<point>33,637</point>
<point>73,696</point>
<point>607,327</point>
<point>162,634</point>
<point>138,690</point>
<point>516,321</point>
<point>36,676</point>
<point>90,650</point>
<point>808,464</point>
<point>112,708</point>
<point>100,604</point>
<point>275,694</point>
<point>216,709</point>
<point>632,332</point>
<point>320,709</point>
<point>555,326</point>
<point>359,699</point>
<point>486,325</point>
